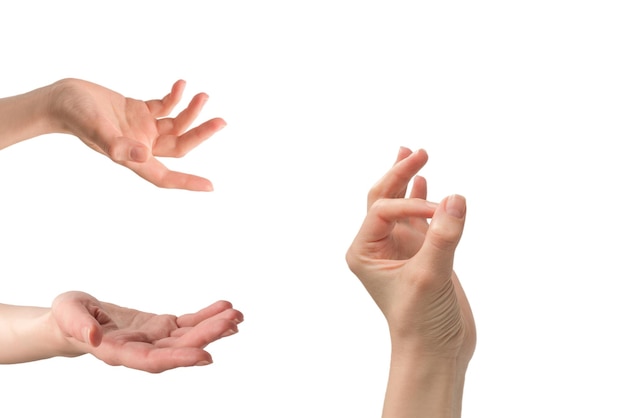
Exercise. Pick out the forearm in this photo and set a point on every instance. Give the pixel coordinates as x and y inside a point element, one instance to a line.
<point>423,387</point>
<point>25,116</point>
<point>28,334</point>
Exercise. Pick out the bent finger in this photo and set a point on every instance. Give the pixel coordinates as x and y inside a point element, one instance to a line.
<point>420,188</point>
<point>184,119</point>
<point>203,334</point>
<point>146,357</point>
<point>171,145</point>
<point>394,183</point>
<point>193,319</point>
<point>163,107</point>
<point>384,213</point>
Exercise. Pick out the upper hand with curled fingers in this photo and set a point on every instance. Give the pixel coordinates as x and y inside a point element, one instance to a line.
<point>134,132</point>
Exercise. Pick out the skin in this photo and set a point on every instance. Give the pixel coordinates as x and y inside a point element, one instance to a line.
<point>77,324</point>
<point>406,264</point>
<point>133,133</point>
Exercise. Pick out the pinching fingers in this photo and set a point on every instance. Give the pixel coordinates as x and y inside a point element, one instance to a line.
<point>384,213</point>
<point>443,235</point>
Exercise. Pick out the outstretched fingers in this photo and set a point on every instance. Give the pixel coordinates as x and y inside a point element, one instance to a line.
<point>193,319</point>
<point>184,119</point>
<point>204,327</point>
<point>174,145</point>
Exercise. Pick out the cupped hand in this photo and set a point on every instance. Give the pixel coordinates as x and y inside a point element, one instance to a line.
<point>133,132</point>
<point>140,340</point>
<point>405,262</point>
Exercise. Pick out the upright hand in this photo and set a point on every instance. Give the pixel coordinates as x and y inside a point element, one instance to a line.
<point>406,263</point>
<point>140,340</point>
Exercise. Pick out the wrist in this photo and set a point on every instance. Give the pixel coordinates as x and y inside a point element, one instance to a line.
<point>25,116</point>
<point>60,344</point>
<point>424,384</point>
<point>30,333</point>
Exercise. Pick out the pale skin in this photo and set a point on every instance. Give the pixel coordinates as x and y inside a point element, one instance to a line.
<point>403,260</point>
<point>132,133</point>
<point>406,264</point>
<point>77,323</point>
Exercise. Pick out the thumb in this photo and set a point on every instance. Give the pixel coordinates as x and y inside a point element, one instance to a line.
<point>123,149</point>
<point>444,233</point>
<point>74,312</point>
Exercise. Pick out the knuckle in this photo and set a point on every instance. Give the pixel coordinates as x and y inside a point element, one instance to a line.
<point>378,206</point>
<point>442,236</point>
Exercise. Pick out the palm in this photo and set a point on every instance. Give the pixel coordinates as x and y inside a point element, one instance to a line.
<point>468,344</point>
<point>141,340</point>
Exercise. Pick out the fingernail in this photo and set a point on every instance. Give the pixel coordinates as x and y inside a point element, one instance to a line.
<point>86,333</point>
<point>455,206</point>
<point>228,333</point>
<point>203,363</point>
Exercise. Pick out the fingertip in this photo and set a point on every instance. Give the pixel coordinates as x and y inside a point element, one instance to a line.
<point>446,226</point>
<point>230,331</point>
<point>420,187</point>
<point>220,124</point>
<point>207,187</point>
<point>422,152</point>
<point>207,360</point>
<point>177,90</point>
<point>92,335</point>
<point>455,205</point>
<point>403,152</point>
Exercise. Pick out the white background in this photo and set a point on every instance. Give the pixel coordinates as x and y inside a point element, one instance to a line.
<point>520,105</point>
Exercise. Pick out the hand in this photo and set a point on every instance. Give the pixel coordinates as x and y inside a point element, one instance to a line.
<point>140,340</point>
<point>406,263</point>
<point>133,132</point>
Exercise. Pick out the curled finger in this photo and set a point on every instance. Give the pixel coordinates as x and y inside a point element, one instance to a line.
<point>394,183</point>
<point>384,213</point>
<point>163,107</point>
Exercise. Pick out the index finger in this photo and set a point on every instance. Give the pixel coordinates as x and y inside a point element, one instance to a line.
<point>381,219</point>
